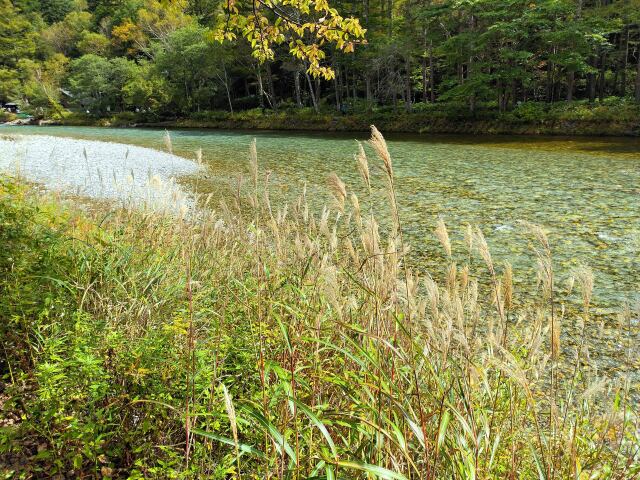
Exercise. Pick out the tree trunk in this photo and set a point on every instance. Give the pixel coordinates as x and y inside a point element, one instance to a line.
<point>367,82</point>
<point>625,64</point>
<point>425,84</point>
<point>355,86</point>
<point>571,77</point>
<point>637,95</point>
<point>591,87</point>
<point>260,86</point>
<point>472,97</point>
<point>296,81</point>
<point>272,93</point>
<point>432,87</point>
<point>314,102</point>
<point>365,13</point>
<point>226,86</point>
<point>408,103</point>
<point>550,82</point>
<point>601,78</point>
<point>591,81</point>
<point>336,90</point>
<point>318,91</point>
<point>425,81</point>
<point>344,90</point>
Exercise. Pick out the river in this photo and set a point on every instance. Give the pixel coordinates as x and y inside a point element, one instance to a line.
<point>583,190</point>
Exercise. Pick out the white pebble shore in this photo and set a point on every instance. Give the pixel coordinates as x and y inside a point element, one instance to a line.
<point>135,176</point>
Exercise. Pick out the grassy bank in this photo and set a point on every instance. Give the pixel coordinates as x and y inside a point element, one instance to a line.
<point>272,342</point>
<point>613,117</point>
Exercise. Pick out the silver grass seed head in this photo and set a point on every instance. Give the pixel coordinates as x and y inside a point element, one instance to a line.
<point>338,189</point>
<point>363,165</point>
<point>379,144</point>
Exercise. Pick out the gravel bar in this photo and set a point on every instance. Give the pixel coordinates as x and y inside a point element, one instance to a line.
<point>133,175</point>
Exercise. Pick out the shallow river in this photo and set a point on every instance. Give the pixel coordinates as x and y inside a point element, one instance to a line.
<point>584,191</point>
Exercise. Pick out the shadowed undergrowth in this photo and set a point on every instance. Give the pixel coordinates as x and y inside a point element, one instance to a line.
<point>270,341</point>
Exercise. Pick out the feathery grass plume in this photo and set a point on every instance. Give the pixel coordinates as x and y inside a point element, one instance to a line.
<point>452,278</point>
<point>338,190</point>
<point>545,275</point>
<point>330,286</point>
<point>443,236</point>
<point>498,301</point>
<point>379,144</point>
<point>253,162</point>
<point>544,262</point>
<point>281,215</point>
<point>510,366</point>
<point>433,296</point>
<point>392,264</point>
<point>267,199</point>
<point>302,206</point>
<point>370,238</point>
<point>468,238</point>
<point>539,234</point>
<point>483,249</point>
<point>464,278</point>
<point>183,211</point>
<point>391,196</point>
<point>507,286</point>
<point>584,277</point>
<point>299,247</point>
<point>168,144</point>
<point>596,388</point>
<point>356,209</point>
<point>353,253</point>
<point>491,329</point>
<point>571,282</point>
<point>363,165</point>
<point>333,239</point>
<point>231,413</point>
<point>555,337</point>
<point>458,314</point>
<point>411,288</point>
<point>323,225</point>
<point>472,302</point>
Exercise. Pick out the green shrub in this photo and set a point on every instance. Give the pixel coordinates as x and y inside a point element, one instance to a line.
<point>6,116</point>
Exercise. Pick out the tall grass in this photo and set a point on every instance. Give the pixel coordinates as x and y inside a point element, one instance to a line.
<point>269,341</point>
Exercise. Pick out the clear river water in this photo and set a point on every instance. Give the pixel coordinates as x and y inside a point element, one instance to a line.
<point>584,191</point>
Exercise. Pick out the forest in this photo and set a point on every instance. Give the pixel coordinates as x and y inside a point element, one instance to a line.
<point>182,58</point>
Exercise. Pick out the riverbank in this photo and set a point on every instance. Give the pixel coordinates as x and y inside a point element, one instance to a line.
<point>619,118</point>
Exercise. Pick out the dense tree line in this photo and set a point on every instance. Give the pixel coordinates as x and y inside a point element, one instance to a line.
<point>166,57</point>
